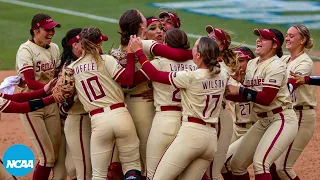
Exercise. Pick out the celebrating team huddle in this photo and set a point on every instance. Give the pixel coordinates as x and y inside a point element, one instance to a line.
<point>156,108</point>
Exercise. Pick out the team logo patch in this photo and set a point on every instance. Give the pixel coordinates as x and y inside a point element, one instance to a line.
<point>272,81</point>
<point>18,160</point>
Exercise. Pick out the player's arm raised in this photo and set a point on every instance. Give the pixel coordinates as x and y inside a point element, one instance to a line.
<point>121,75</point>
<point>176,54</point>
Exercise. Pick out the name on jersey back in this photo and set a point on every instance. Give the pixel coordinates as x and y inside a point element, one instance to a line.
<point>214,84</point>
<point>85,67</point>
<point>182,67</point>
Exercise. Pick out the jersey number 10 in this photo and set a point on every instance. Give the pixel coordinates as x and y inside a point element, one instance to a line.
<point>88,84</point>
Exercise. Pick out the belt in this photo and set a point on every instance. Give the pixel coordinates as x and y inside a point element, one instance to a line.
<point>101,110</point>
<point>303,107</point>
<point>244,125</point>
<point>274,111</point>
<point>170,108</point>
<point>135,95</point>
<point>199,121</point>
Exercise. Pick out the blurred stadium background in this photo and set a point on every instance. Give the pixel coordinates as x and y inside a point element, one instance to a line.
<point>238,16</point>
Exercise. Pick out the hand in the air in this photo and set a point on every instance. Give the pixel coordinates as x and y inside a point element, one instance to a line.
<point>238,75</point>
<point>135,43</point>
<point>48,87</point>
<point>299,79</point>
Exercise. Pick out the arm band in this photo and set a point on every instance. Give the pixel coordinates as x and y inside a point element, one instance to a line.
<point>248,94</point>
<point>36,104</point>
<point>314,80</point>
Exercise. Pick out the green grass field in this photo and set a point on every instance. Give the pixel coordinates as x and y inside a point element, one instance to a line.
<point>15,22</point>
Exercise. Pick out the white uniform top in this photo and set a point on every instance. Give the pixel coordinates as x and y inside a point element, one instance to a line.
<point>304,95</point>
<point>42,60</point>
<point>120,55</point>
<point>167,95</point>
<point>243,111</point>
<point>76,108</point>
<point>96,83</point>
<point>269,73</point>
<point>201,93</point>
<point>3,103</point>
<point>230,105</point>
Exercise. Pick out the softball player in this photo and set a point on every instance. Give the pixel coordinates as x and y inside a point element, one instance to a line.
<point>169,20</point>
<point>243,113</point>
<point>265,84</point>
<point>303,98</point>
<point>97,77</point>
<point>155,30</point>
<point>193,149</point>
<point>228,61</point>
<point>77,127</point>
<point>167,100</point>
<point>36,61</point>
<point>133,22</point>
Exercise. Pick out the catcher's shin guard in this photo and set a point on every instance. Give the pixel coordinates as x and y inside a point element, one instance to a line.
<point>133,175</point>
<point>115,171</point>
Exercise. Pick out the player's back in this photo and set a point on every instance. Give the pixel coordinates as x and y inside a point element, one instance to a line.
<point>95,82</point>
<point>167,95</point>
<point>202,93</point>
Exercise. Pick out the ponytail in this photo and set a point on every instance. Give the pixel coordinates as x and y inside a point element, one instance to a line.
<point>279,52</point>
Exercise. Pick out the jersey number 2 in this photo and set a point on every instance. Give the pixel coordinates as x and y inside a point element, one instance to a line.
<point>88,84</point>
<point>208,103</point>
<point>175,94</point>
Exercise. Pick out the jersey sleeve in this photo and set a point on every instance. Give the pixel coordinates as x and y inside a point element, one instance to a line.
<point>113,67</point>
<point>180,79</point>
<point>304,68</point>
<point>24,59</point>
<point>3,103</point>
<point>147,47</point>
<point>274,75</point>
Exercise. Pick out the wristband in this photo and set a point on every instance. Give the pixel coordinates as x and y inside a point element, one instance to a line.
<point>249,95</point>
<point>36,104</point>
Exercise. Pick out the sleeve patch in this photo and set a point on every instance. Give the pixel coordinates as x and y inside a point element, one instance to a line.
<point>272,81</point>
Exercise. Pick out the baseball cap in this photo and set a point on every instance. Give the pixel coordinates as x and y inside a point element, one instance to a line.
<point>151,20</point>
<point>243,54</point>
<point>101,38</point>
<point>174,18</point>
<point>220,34</point>
<point>271,34</point>
<point>47,23</point>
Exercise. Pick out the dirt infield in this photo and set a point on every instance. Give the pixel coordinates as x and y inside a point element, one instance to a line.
<point>307,166</point>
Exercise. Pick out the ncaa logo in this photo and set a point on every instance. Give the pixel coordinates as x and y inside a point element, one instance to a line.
<point>18,160</point>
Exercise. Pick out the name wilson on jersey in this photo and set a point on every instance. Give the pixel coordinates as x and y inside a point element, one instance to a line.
<point>182,67</point>
<point>213,84</point>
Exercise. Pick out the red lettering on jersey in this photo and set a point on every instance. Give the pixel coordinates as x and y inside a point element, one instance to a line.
<point>38,64</point>
<point>254,82</point>
<point>44,66</point>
